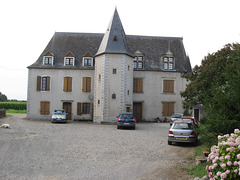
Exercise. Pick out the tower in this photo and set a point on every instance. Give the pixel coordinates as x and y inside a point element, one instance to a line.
<point>113,74</point>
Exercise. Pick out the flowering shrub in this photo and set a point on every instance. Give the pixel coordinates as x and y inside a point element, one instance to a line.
<point>224,159</point>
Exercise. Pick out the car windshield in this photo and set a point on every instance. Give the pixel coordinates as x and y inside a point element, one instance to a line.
<point>126,116</point>
<point>182,126</point>
<point>59,112</point>
<point>176,116</point>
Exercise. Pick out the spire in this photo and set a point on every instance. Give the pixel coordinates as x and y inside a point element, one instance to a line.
<point>114,40</point>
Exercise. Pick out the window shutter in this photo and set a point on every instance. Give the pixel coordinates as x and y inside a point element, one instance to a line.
<point>48,84</point>
<point>168,86</point>
<point>91,109</point>
<point>69,88</point>
<point>65,84</point>
<point>79,108</point>
<point>135,85</point>
<point>168,108</point>
<point>140,85</point>
<point>165,109</point>
<point>84,83</point>
<point>44,107</point>
<point>39,78</point>
<point>88,85</point>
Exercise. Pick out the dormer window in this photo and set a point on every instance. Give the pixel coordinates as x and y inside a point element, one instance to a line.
<point>69,59</point>
<point>87,59</point>
<point>138,60</point>
<point>48,58</point>
<point>168,61</point>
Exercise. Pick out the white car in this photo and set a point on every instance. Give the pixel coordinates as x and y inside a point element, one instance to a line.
<point>59,116</point>
<point>175,116</point>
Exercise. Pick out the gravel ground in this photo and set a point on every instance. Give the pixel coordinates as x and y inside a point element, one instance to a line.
<point>76,150</point>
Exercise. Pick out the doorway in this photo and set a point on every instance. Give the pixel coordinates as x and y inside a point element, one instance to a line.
<point>137,110</point>
<point>68,108</point>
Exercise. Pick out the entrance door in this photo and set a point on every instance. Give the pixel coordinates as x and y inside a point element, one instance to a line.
<point>137,110</point>
<point>196,114</point>
<point>68,108</point>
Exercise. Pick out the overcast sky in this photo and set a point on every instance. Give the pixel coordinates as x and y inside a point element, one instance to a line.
<point>28,25</point>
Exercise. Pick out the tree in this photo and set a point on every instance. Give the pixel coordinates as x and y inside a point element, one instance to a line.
<point>216,85</point>
<point>3,97</point>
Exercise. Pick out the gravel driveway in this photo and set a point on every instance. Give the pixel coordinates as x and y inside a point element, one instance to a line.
<point>76,150</point>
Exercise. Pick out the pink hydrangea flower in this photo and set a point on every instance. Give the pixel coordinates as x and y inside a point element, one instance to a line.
<point>227,157</point>
<point>219,173</point>
<point>223,165</point>
<point>227,172</point>
<point>235,163</point>
<point>223,175</point>
<point>229,163</point>
<point>235,171</point>
<point>238,156</point>
<point>236,131</point>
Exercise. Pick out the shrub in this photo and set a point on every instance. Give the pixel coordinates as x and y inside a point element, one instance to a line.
<point>13,105</point>
<point>224,159</point>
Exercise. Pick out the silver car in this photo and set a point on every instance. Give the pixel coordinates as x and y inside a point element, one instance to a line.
<point>182,131</point>
<point>59,115</point>
<point>175,117</point>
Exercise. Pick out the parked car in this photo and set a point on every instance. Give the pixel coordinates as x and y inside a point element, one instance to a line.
<point>182,131</point>
<point>59,115</point>
<point>126,120</point>
<point>190,118</point>
<point>175,116</point>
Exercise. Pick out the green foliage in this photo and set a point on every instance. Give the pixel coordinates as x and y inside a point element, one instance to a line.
<point>14,111</point>
<point>216,85</point>
<point>13,105</point>
<point>3,97</point>
<point>198,170</point>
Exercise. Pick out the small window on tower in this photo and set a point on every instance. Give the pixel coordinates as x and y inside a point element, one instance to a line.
<point>114,71</point>
<point>113,96</point>
<point>115,38</point>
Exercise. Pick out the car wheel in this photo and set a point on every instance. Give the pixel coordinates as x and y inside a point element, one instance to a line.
<point>169,142</point>
<point>118,127</point>
<point>133,127</point>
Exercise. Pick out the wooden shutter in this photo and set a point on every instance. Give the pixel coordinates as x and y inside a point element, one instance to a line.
<point>84,84</point>
<point>44,107</point>
<point>168,109</point>
<point>88,85</point>
<point>168,86</point>
<point>69,84</point>
<point>65,84</point>
<point>138,85</point>
<point>79,108</point>
<point>48,83</point>
<point>39,79</point>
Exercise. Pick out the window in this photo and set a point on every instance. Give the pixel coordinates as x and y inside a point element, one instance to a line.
<point>138,85</point>
<point>86,84</point>
<point>138,62</point>
<point>43,83</point>
<point>69,61</point>
<point>44,107</point>
<point>168,86</point>
<point>87,61</point>
<point>168,109</point>
<point>168,63</point>
<point>84,108</point>
<point>98,101</point>
<point>114,71</point>
<point>67,84</point>
<point>48,60</point>
<point>113,96</point>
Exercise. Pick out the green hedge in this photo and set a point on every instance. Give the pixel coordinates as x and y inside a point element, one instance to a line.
<point>13,105</point>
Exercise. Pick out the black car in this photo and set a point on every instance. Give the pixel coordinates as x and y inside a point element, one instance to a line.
<point>126,120</point>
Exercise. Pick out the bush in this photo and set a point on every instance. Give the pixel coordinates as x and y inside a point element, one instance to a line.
<point>224,159</point>
<point>13,105</point>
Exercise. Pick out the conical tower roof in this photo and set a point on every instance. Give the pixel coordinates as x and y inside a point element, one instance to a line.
<point>114,40</point>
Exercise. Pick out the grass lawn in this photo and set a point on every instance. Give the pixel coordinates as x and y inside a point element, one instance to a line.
<point>14,111</point>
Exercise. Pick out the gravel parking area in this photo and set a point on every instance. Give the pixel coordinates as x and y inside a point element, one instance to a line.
<point>76,150</point>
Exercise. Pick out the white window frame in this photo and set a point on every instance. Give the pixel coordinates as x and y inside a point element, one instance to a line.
<point>83,61</point>
<point>68,64</point>
<point>44,57</point>
<point>138,62</point>
<point>168,63</point>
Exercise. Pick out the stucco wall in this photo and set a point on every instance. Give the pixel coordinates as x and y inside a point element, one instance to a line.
<point>153,96</point>
<point>56,96</point>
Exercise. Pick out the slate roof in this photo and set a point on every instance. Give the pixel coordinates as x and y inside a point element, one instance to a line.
<point>114,40</point>
<point>79,44</point>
